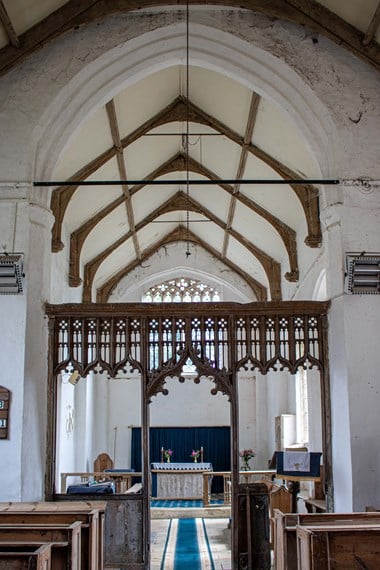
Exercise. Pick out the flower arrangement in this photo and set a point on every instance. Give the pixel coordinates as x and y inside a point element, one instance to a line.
<point>195,454</point>
<point>246,455</point>
<point>167,454</point>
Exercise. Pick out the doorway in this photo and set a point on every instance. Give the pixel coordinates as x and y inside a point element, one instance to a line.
<point>190,446</point>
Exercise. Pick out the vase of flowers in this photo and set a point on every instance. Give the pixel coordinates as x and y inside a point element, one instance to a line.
<point>195,454</point>
<point>246,455</point>
<point>167,454</point>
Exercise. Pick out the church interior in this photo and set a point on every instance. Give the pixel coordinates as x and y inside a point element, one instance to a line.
<point>189,284</point>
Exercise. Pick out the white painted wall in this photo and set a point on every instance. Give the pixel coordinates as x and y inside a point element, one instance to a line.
<point>355,387</point>
<point>66,429</point>
<point>315,410</point>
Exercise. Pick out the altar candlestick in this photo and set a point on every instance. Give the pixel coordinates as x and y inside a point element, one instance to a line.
<point>162,454</point>
<point>202,454</point>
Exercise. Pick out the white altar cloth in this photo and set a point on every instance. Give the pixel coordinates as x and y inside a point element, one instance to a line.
<point>180,480</point>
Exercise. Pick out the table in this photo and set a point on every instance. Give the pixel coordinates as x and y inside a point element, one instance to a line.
<point>178,480</point>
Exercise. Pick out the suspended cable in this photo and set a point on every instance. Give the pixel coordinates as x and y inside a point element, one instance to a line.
<point>188,252</point>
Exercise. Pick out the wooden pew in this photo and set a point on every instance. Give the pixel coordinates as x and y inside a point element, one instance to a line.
<point>89,513</point>
<point>66,539</point>
<point>345,547</point>
<point>90,530</point>
<point>21,556</point>
<point>280,499</point>
<point>285,547</point>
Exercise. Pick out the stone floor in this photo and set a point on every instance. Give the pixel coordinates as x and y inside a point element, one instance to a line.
<point>219,536</point>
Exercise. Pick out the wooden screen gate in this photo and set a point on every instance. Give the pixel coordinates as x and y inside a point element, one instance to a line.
<point>219,339</point>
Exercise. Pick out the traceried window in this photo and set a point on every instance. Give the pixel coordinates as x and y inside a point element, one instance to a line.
<point>181,290</point>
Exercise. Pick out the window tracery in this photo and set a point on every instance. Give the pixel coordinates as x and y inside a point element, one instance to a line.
<point>182,290</point>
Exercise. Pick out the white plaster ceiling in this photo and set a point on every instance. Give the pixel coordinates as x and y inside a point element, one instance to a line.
<point>227,223</point>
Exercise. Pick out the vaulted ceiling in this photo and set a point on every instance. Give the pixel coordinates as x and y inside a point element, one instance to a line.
<point>170,163</point>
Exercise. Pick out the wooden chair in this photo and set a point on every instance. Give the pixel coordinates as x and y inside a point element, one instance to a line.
<point>103,462</point>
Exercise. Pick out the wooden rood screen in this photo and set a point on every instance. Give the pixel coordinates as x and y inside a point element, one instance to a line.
<point>159,339</point>
<point>216,339</point>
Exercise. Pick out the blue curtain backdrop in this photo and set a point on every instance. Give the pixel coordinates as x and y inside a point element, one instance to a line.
<point>216,444</point>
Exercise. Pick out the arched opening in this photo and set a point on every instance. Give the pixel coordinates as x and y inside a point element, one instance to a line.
<point>192,425</point>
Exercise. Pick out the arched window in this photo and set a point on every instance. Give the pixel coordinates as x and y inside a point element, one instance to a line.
<point>181,290</point>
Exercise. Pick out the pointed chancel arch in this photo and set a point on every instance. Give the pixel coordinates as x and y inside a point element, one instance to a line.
<point>291,90</point>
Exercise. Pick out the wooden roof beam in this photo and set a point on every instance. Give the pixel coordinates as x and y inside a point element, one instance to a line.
<point>271,267</point>
<point>372,28</point>
<point>179,234</point>
<point>307,13</point>
<point>8,26</point>
<point>112,118</point>
<point>252,114</point>
<point>320,19</point>
<point>307,194</point>
<point>61,196</point>
<point>180,201</point>
<point>179,110</point>
<point>178,163</point>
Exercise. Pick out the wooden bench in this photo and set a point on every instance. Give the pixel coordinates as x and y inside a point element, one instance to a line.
<point>90,514</point>
<point>16,556</point>
<point>285,547</point>
<point>66,539</point>
<point>340,547</point>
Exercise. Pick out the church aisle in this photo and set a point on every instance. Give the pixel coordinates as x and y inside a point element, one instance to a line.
<point>190,544</point>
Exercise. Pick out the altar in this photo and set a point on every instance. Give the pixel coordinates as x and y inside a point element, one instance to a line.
<point>178,480</point>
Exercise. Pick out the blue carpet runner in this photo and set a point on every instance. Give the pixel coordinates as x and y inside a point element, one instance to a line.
<point>157,503</point>
<point>187,546</point>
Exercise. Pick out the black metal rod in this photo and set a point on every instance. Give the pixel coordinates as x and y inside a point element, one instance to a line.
<point>196,182</point>
<point>177,134</point>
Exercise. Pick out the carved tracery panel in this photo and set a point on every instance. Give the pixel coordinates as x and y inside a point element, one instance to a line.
<point>159,339</point>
